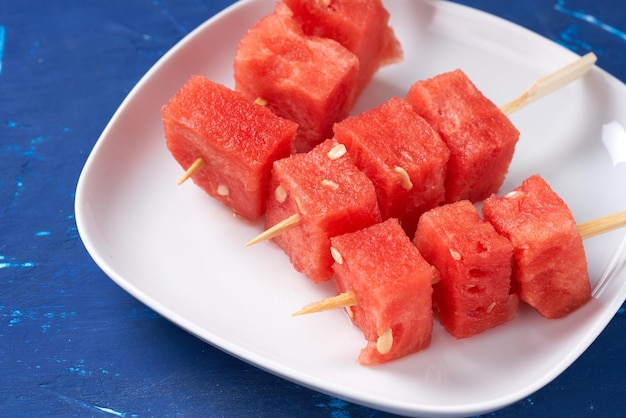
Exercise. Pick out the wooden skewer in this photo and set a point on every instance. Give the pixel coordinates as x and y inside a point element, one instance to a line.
<point>551,82</point>
<point>193,169</point>
<point>601,225</point>
<point>586,229</point>
<point>538,89</point>
<point>197,165</point>
<point>281,227</point>
<point>342,300</point>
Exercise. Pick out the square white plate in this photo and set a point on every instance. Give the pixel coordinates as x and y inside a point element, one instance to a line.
<point>183,255</point>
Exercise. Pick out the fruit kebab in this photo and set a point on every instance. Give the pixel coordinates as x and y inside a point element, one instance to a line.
<point>477,287</point>
<point>586,230</point>
<point>418,171</point>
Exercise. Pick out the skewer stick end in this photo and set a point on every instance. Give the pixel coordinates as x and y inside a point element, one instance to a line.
<point>551,82</point>
<point>281,227</point>
<point>343,300</point>
<point>193,169</point>
<point>601,225</point>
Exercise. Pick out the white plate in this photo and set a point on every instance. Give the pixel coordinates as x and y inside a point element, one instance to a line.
<point>182,254</point>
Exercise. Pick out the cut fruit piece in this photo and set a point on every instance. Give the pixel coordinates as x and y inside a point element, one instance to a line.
<point>480,137</point>
<point>550,271</point>
<point>237,140</point>
<point>393,286</point>
<point>474,263</point>
<point>309,80</point>
<point>299,186</point>
<point>402,154</point>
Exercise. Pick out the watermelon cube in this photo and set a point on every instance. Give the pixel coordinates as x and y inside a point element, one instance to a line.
<point>481,138</point>
<point>402,154</point>
<point>309,80</point>
<point>331,196</point>
<point>474,264</point>
<point>362,26</point>
<point>237,140</point>
<point>550,270</point>
<point>392,284</point>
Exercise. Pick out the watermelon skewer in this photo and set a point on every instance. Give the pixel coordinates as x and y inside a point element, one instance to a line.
<point>588,229</point>
<point>540,88</point>
<point>381,345</point>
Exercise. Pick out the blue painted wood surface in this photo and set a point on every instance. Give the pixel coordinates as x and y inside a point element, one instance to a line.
<point>72,343</point>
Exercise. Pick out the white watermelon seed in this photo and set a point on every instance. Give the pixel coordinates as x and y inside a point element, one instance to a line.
<point>337,151</point>
<point>384,342</point>
<point>280,194</point>
<point>299,203</point>
<point>222,190</point>
<point>336,255</point>
<point>404,178</point>
<point>330,184</point>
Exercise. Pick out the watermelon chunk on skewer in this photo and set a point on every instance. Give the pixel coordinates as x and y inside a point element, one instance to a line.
<point>236,139</point>
<point>550,271</point>
<point>362,26</point>
<point>329,195</point>
<point>402,154</point>
<point>392,284</point>
<point>474,264</point>
<point>480,137</point>
<point>310,80</point>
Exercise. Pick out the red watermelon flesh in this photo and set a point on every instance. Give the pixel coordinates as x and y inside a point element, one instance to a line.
<point>237,139</point>
<point>393,286</point>
<point>402,154</point>
<point>309,80</point>
<point>362,26</point>
<point>474,264</point>
<point>550,270</point>
<point>481,138</point>
<point>332,197</point>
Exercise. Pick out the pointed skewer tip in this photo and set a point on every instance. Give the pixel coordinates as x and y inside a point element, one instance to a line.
<point>281,227</point>
<point>193,169</point>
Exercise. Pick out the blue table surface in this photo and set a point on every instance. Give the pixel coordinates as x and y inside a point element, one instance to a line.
<point>72,343</point>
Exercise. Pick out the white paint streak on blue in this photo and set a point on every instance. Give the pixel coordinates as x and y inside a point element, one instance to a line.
<point>3,32</point>
<point>85,405</point>
<point>16,317</point>
<point>27,264</point>
<point>581,15</point>
<point>110,411</point>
